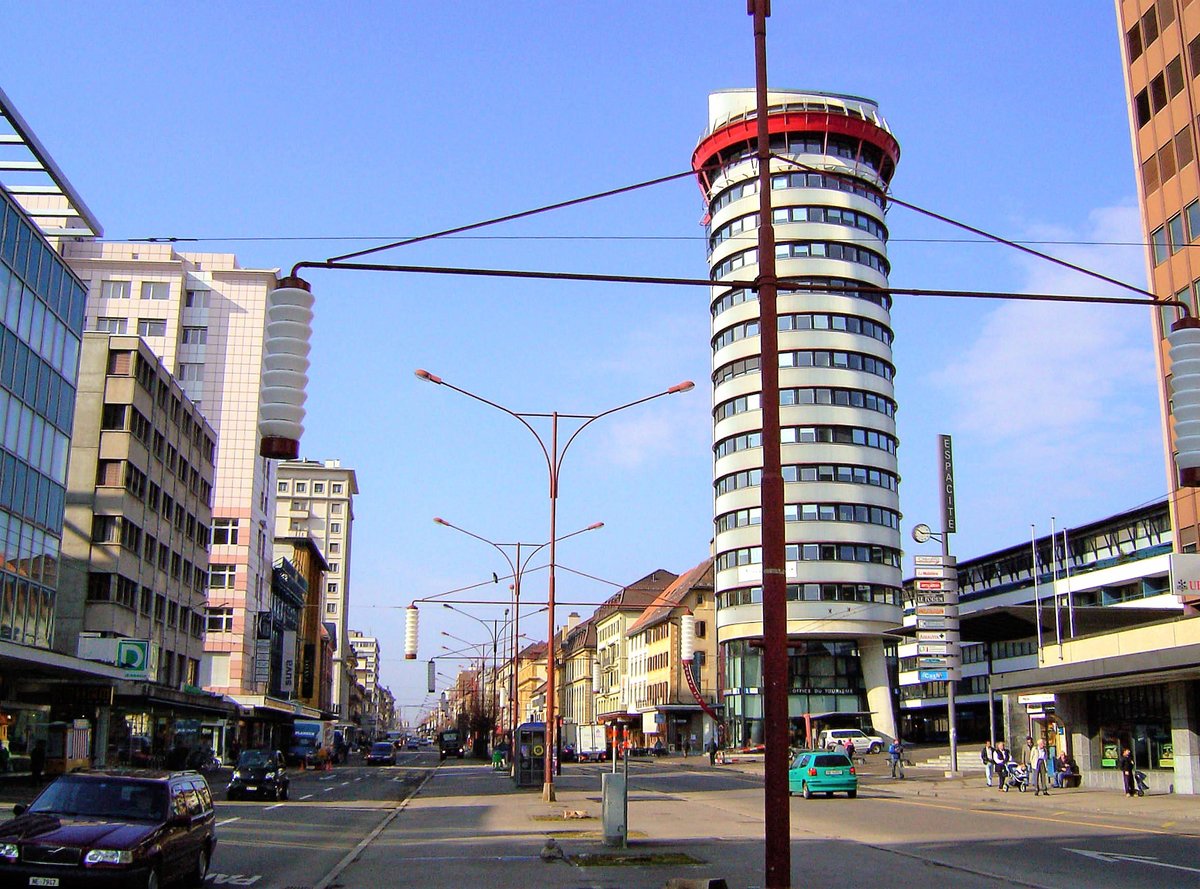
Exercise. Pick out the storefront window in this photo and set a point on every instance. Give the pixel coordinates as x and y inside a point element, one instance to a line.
<point>1137,718</point>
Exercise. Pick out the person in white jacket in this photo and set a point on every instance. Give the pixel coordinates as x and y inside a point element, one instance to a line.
<point>1039,768</point>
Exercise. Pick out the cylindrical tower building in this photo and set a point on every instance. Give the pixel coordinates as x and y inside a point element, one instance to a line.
<point>837,401</point>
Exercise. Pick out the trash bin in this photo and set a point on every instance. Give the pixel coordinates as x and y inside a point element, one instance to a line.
<point>530,769</point>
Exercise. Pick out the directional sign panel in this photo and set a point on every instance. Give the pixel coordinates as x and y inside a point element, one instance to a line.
<point>935,560</point>
<point>936,662</point>
<point>938,598</point>
<point>941,584</point>
<point>942,648</point>
<point>934,571</point>
<point>937,611</point>
<point>933,675</point>
<point>933,636</point>
<point>934,623</point>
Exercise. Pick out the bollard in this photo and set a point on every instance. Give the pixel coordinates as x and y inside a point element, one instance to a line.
<point>614,809</point>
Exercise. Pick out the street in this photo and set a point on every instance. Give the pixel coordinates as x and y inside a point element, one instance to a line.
<point>358,827</point>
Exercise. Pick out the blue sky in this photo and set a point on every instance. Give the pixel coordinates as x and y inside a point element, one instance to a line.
<point>301,131</point>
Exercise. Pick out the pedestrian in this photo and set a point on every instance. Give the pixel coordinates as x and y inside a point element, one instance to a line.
<point>37,762</point>
<point>687,747</point>
<point>850,749</point>
<point>712,751</point>
<point>5,757</point>
<point>989,764</point>
<point>1039,769</point>
<point>1027,753</point>
<point>1001,757</point>
<point>896,758</point>
<point>1127,772</point>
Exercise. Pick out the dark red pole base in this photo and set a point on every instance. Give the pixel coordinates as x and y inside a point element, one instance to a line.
<point>274,448</point>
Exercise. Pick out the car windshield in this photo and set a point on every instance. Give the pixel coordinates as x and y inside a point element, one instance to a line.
<point>382,747</point>
<point>254,759</point>
<point>832,760</point>
<point>116,799</point>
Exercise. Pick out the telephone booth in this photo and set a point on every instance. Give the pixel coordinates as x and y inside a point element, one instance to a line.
<point>529,767</point>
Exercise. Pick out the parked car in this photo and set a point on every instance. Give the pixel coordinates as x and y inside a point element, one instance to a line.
<point>134,829</point>
<point>412,744</point>
<point>820,771</point>
<point>259,773</point>
<point>833,738</point>
<point>382,753</point>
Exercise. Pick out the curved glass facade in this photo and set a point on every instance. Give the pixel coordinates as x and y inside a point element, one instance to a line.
<point>837,399</point>
<point>41,320</point>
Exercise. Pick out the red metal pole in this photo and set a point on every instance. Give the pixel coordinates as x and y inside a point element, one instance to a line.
<point>548,782</point>
<point>776,799</point>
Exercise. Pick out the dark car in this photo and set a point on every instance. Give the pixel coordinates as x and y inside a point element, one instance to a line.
<point>136,829</point>
<point>259,773</point>
<point>450,745</point>
<point>381,753</point>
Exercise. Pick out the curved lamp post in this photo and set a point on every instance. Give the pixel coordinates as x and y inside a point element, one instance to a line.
<point>554,458</point>
<point>517,568</point>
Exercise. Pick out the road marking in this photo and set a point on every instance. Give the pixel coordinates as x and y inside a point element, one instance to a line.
<point>269,808</point>
<point>1114,857</point>
<point>344,783</point>
<point>329,789</point>
<point>229,820</point>
<point>1025,816</point>
<point>307,796</point>
<point>233,879</point>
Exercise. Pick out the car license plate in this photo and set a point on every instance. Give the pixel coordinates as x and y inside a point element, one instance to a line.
<point>251,787</point>
<point>43,881</point>
<point>833,772</point>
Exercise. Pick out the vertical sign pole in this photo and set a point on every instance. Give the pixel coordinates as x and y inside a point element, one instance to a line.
<point>946,457</point>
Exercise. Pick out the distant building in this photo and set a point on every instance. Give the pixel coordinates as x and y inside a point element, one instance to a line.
<point>205,317</point>
<point>317,499</point>
<point>578,652</point>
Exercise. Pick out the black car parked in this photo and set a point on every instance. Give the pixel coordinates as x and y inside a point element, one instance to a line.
<point>135,829</point>
<point>259,773</point>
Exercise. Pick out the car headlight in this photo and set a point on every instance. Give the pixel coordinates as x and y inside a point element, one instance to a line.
<point>8,851</point>
<point>269,776</point>
<point>108,856</point>
<point>238,776</point>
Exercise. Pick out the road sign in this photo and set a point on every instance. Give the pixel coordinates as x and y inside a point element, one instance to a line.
<point>943,584</point>
<point>935,560</point>
<point>933,675</point>
<point>933,636</point>
<point>937,611</point>
<point>938,598</point>
<point>935,623</point>
<point>935,571</point>
<point>133,656</point>
<point>942,648</point>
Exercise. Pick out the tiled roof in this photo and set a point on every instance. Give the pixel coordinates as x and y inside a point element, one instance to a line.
<point>637,595</point>
<point>660,609</point>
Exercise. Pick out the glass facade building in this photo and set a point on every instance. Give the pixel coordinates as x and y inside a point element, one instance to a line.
<point>833,158</point>
<point>41,319</point>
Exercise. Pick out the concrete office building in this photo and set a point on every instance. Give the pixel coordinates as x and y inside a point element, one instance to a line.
<point>1160,48</point>
<point>205,317</point>
<point>837,402</point>
<point>316,499</point>
<point>140,481</point>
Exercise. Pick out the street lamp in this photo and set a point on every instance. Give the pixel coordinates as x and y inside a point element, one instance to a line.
<point>554,459</point>
<point>494,628</point>
<point>517,568</point>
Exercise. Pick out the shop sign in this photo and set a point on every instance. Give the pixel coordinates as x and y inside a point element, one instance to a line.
<point>936,611</point>
<point>262,661</point>
<point>1041,698</point>
<point>942,648</point>
<point>933,675</point>
<point>135,657</point>
<point>930,598</point>
<point>287,679</point>
<point>935,560</point>
<point>944,584</point>
<point>1185,574</point>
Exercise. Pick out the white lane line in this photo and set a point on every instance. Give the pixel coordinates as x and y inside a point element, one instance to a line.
<point>269,808</point>
<point>343,784</point>
<point>307,796</point>
<point>229,820</point>
<point>358,779</point>
<point>329,789</point>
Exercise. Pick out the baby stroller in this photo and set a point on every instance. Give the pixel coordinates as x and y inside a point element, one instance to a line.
<point>1139,779</point>
<point>1015,775</point>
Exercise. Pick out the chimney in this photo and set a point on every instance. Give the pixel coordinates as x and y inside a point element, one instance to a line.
<point>572,620</point>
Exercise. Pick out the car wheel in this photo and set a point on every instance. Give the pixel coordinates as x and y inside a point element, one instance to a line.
<point>151,881</point>
<point>199,870</point>
<point>852,794</point>
<point>804,790</point>
<point>874,748</point>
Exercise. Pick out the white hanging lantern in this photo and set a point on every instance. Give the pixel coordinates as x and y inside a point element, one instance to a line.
<point>285,369</point>
<point>596,676</point>
<point>1184,339</point>
<point>687,636</point>
<point>410,633</point>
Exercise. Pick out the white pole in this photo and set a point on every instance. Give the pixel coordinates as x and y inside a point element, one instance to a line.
<point>1054,585</point>
<point>1070,595</point>
<point>1037,600</point>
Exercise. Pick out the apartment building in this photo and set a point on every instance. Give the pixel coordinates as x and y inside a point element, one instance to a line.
<point>205,318</point>
<point>578,653</point>
<point>835,157</point>
<point>316,499</point>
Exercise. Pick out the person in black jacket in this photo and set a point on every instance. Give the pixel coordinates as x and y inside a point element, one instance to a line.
<point>37,761</point>
<point>1126,766</point>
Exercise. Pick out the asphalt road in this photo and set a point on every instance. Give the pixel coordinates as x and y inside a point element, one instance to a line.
<point>361,827</point>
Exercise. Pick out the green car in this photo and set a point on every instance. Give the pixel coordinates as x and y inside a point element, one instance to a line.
<point>818,771</point>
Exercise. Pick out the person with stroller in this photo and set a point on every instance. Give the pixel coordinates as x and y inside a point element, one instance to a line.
<point>1001,758</point>
<point>1127,772</point>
